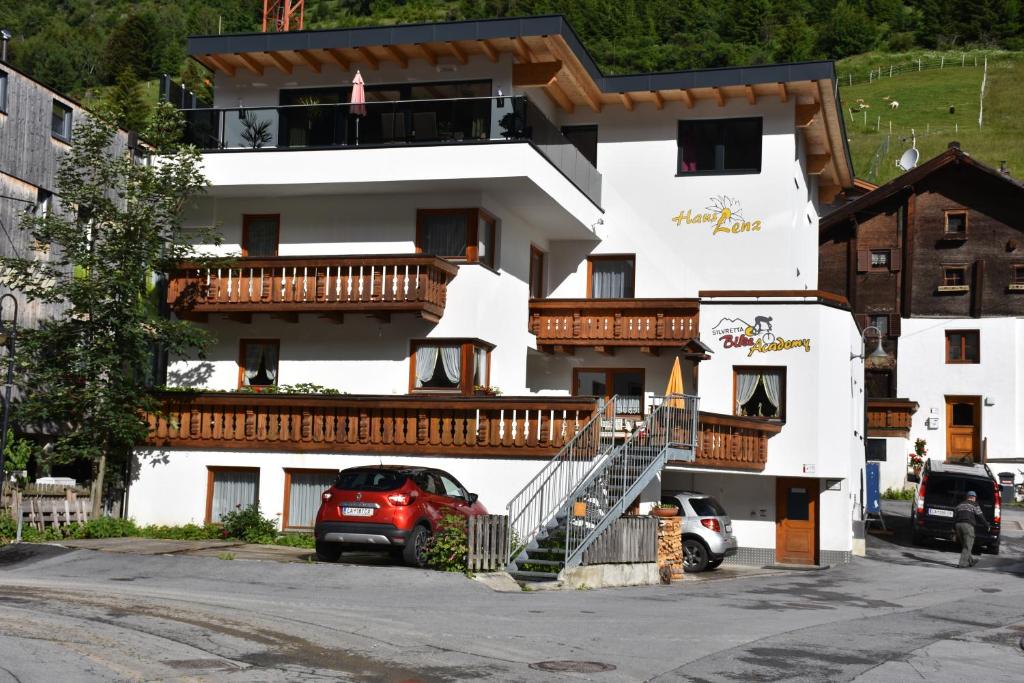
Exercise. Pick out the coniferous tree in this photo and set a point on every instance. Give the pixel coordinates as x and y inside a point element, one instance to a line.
<point>125,104</point>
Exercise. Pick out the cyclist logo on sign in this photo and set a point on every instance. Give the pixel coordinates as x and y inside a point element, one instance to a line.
<point>756,338</point>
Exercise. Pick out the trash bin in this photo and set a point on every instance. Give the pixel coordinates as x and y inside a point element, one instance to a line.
<point>1006,486</point>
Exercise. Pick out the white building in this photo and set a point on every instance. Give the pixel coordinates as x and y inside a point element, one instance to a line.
<point>504,215</point>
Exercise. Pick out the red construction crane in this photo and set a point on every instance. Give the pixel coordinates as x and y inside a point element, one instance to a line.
<point>283,15</point>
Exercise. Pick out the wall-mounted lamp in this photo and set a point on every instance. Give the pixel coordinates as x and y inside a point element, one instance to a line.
<point>878,354</point>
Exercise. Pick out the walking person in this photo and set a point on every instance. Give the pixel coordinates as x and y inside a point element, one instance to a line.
<point>965,516</point>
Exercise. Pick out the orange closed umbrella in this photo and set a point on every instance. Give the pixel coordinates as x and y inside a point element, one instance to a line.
<point>675,383</point>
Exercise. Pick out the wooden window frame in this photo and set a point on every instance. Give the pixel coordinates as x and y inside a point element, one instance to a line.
<point>609,383</point>
<point>945,285</point>
<point>248,218</point>
<point>473,216</point>
<point>466,387</point>
<point>288,472</point>
<point>945,223</point>
<point>211,470</point>
<point>963,347</point>
<point>1016,277</point>
<point>783,399</point>
<point>67,123</point>
<point>888,259</point>
<point>542,258</point>
<point>241,362</point>
<point>608,257</point>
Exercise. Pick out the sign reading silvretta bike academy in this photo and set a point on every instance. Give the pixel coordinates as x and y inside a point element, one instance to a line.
<point>724,214</point>
<point>759,337</point>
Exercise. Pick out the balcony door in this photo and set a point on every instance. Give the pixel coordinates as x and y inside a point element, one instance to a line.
<point>796,520</point>
<point>963,428</point>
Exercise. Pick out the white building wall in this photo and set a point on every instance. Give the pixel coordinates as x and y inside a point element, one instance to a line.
<point>925,377</point>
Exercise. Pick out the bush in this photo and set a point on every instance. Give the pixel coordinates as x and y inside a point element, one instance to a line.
<point>449,546</point>
<point>296,540</point>
<point>898,494</point>
<point>103,527</point>
<point>248,524</point>
<point>186,532</point>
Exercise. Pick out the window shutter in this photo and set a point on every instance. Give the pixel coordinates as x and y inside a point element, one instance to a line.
<point>894,324</point>
<point>894,261</point>
<point>862,320</point>
<point>863,260</point>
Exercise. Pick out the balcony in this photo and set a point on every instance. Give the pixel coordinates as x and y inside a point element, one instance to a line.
<point>732,443</point>
<point>451,123</point>
<point>890,417</point>
<point>605,324</point>
<point>330,286</point>
<point>402,425</point>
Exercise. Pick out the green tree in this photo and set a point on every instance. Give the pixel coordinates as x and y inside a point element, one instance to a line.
<point>133,44</point>
<point>85,373</point>
<point>849,31</point>
<point>125,104</point>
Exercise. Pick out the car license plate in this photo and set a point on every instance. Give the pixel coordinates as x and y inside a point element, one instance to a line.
<point>940,513</point>
<point>357,512</point>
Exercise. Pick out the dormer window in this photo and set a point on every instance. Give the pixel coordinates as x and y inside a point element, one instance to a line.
<point>719,146</point>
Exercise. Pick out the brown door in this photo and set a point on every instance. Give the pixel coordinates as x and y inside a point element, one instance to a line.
<point>963,428</point>
<point>796,526</point>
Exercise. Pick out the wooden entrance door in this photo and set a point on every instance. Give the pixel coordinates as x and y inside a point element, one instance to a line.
<point>796,525</point>
<point>963,428</point>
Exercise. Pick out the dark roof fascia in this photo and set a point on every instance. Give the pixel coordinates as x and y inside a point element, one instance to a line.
<point>483,29</point>
<point>911,177</point>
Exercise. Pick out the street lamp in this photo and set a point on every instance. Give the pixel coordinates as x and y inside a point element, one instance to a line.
<point>878,354</point>
<point>8,335</point>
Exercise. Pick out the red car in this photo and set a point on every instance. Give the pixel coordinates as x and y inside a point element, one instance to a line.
<point>390,506</point>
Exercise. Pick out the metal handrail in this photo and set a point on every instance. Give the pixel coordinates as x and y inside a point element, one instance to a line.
<point>544,496</point>
<point>603,495</point>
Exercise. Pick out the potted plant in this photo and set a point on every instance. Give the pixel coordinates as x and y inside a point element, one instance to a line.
<point>918,456</point>
<point>664,510</point>
<point>480,390</point>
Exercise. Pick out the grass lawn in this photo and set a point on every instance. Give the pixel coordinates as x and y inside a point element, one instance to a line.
<point>925,99</point>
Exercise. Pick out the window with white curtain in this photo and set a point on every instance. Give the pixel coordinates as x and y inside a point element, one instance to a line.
<point>231,490</point>
<point>259,359</point>
<point>760,392</point>
<point>612,277</point>
<point>305,488</point>
<point>625,384</point>
<point>449,365</point>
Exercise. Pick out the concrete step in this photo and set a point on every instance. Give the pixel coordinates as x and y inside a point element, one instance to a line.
<point>546,563</point>
<point>534,576</point>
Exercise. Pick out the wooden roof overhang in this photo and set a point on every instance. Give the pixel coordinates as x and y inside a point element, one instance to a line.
<point>548,55</point>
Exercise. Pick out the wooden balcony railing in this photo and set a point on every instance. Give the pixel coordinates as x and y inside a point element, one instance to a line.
<point>890,416</point>
<point>734,443</point>
<point>600,323</point>
<point>328,285</point>
<point>401,425</point>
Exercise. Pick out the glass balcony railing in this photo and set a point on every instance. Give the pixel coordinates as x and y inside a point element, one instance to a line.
<point>466,120</point>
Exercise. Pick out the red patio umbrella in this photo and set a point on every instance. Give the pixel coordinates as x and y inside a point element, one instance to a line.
<point>358,101</point>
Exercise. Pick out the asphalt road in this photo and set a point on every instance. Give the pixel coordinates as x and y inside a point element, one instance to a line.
<point>903,613</point>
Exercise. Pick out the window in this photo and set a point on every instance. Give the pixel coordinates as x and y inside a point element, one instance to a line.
<point>585,140</point>
<point>3,91</point>
<point>458,234</point>
<point>457,365</point>
<point>881,321</point>
<point>956,223</point>
<point>450,487</point>
<point>611,277</point>
<point>60,121</point>
<point>537,263</point>
<point>627,384</point>
<point>875,450</point>
<point>44,203</point>
<point>719,146</point>
<point>228,489</point>
<point>760,392</point>
<point>260,234</point>
<point>880,258</point>
<point>302,491</point>
<point>1017,276</point>
<point>963,346</point>
<point>257,362</point>
<point>954,276</point>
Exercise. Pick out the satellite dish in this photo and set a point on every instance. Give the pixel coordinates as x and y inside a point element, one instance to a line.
<point>909,159</point>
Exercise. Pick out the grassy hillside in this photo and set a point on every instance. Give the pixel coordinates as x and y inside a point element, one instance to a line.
<point>925,99</point>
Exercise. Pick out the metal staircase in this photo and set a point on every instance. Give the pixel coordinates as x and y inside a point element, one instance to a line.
<point>620,469</point>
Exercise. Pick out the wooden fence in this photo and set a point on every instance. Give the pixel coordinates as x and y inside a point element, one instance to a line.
<point>628,539</point>
<point>39,512</point>
<point>487,541</point>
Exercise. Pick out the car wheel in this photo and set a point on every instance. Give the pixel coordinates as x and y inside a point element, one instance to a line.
<point>715,564</point>
<point>993,549</point>
<point>327,552</point>
<point>916,538</point>
<point>695,556</point>
<point>415,550</point>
